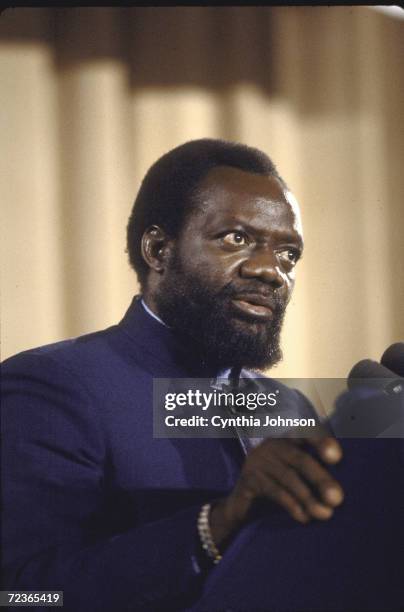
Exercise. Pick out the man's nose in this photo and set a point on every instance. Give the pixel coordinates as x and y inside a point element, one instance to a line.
<point>265,266</point>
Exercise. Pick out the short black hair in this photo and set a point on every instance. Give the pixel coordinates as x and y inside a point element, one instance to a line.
<point>166,195</point>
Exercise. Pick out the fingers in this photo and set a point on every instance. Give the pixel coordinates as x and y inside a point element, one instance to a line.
<point>315,475</point>
<point>258,484</point>
<point>277,493</point>
<point>305,504</point>
<point>284,472</point>
<point>328,448</point>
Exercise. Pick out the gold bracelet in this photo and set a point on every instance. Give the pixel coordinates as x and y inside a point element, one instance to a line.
<point>206,536</point>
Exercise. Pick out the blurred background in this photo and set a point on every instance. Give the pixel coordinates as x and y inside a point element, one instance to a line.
<point>91,97</point>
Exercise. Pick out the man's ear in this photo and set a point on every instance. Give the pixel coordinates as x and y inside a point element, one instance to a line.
<point>156,247</point>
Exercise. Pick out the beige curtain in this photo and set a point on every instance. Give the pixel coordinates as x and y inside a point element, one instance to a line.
<point>90,97</point>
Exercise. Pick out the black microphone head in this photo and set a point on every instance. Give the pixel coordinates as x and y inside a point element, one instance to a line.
<point>393,358</point>
<point>368,369</point>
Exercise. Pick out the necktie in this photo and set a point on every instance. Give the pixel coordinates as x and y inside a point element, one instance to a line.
<point>234,384</point>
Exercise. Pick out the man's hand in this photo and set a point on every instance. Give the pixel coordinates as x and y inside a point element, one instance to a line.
<point>284,472</point>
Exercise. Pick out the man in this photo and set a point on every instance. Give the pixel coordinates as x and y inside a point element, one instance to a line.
<point>96,507</point>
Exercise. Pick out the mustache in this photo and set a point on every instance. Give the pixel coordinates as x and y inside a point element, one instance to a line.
<point>235,290</point>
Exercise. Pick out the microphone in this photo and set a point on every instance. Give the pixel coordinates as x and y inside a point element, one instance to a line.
<point>371,374</point>
<point>393,358</point>
<point>373,404</point>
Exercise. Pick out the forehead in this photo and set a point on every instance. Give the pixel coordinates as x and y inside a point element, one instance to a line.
<point>230,195</point>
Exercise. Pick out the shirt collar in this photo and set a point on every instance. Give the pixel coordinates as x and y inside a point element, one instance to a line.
<point>151,313</point>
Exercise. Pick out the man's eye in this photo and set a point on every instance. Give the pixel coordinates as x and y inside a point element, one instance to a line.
<point>291,256</point>
<point>235,239</point>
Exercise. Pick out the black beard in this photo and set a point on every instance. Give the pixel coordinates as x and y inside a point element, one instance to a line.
<point>206,320</point>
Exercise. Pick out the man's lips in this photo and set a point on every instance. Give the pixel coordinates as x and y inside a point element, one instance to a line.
<point>254,305</point>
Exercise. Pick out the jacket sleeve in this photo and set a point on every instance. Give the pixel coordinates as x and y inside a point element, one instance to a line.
<point>53,457</point>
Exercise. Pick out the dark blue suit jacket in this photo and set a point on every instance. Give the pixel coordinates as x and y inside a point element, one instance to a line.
<point>93,505</point>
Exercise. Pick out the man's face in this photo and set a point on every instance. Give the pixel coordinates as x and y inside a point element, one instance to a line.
<point>232,271</point>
